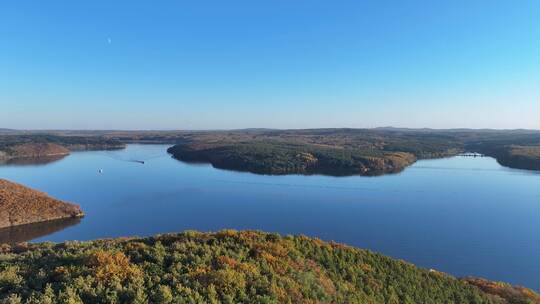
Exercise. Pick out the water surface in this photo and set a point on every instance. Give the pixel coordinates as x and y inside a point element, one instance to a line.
<point>463,215</point>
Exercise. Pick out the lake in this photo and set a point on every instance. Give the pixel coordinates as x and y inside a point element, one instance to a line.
<point>461,215</point>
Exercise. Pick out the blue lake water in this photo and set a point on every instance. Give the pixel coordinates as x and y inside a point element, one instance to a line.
<point>464,216</point>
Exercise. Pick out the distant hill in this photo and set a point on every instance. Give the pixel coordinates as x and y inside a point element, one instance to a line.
<point>14,146</point>
<point>315,151</point>
<point>350,151</point>
<point>7,131</point>
<point>333,151</point>
<point>276,157</point>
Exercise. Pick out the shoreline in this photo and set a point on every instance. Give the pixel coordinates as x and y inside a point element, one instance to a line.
<point>238,261</point>
<point>20,205</point>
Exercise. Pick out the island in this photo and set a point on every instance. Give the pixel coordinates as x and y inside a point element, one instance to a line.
<point>20,205</point>
<point>230,267</point>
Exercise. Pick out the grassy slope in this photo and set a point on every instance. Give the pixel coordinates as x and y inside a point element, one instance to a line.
<point>223,267</point>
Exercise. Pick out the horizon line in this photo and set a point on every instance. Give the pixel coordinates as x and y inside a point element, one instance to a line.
<point>272,129</point>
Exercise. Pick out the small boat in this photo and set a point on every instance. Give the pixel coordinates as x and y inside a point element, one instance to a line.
<point>100,170</point>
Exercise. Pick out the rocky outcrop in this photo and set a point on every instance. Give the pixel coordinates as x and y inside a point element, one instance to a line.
<point>21,205</point>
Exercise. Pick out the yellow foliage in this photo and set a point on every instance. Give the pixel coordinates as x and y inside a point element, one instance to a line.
<point>199,271</point>
<point>228,281</point>
<point>249,235</point>
<point>10,276</point>
<point>227,233</point>
<point>136,246</point>
<point>366,267</point>
<point>226,261</point>
<point>107,266</point>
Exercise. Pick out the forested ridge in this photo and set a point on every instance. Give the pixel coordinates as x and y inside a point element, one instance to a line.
<point>323,151</point>
<point>351,151</point>
<point>42,145</point>
<point>310,151</point>
<point>227,267</point>
<point>274,157</point>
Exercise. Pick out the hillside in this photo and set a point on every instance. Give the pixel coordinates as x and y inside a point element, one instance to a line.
<point>20,205</point>
<point>225,267</point>
<point>309,151</point>
<point>33,150</point>
<point>46,145</point>
<point>519,150</point>
<point>275,157</point>
<point>525,157</point>
<point>318,151</point>
<point>349,151</point>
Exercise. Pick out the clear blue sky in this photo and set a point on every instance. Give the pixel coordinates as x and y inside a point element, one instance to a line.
<point>278,64</point>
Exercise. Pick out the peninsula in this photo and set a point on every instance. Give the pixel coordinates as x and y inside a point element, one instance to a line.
<point>276,157</point>
<point>23,145</point>
<point>320,151</point>
<point>21,205</point>
<point>351,151</point>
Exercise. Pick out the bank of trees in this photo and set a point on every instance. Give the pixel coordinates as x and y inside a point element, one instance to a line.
<point>283,157</point>
<point>223,267</point>
<point>7,141</point>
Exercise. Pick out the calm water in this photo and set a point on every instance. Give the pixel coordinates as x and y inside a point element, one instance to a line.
<point>464,216</point>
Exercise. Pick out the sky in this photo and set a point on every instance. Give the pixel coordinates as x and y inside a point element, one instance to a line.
<point>233,64</point>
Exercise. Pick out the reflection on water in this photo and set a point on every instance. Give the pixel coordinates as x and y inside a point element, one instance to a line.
<point>33,161</point>
<point>23,233</point>
<point>461,215</point>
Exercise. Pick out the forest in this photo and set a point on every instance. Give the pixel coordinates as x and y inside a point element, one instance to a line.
<point>351,151</point>
<point>277,157</point>
<point>310,151</point>
<point>9,140</point>
<point>229,267</point>
<point>22,145</point>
